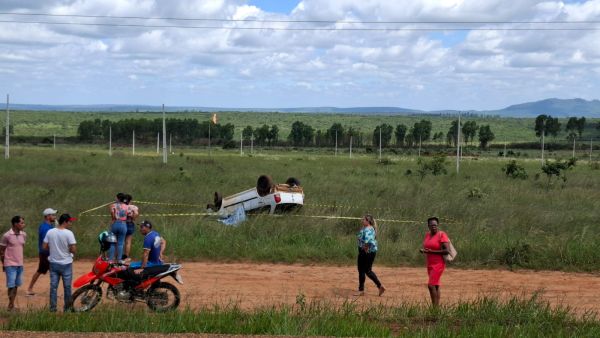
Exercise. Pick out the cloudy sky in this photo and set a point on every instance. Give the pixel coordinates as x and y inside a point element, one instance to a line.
<point>480,68</point>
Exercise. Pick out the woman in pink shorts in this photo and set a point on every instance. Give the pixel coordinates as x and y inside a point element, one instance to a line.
<point>435,246</point>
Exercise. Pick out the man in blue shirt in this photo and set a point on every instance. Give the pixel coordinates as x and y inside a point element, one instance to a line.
<point>154,246</point>
<point>43,265</point>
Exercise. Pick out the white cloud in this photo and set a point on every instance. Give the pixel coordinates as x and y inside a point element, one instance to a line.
<point>409,68</point>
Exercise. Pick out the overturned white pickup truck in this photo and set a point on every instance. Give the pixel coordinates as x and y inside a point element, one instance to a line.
<point>266,197</point>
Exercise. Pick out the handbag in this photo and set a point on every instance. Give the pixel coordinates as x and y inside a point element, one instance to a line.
<point>451,251</point>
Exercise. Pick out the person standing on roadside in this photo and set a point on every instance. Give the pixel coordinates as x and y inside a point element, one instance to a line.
<point>61,244</point>
<point>11,254</point>
<point>367,250</point>
<point>43,264</point>
<point>118,213</point>
<point>132,214</point>
<point>435,246</point>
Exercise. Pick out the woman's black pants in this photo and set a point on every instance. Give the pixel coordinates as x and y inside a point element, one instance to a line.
<point>365,263</point>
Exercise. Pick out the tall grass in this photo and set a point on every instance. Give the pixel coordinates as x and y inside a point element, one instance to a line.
<point>519,223</point>
<point>483,317</point>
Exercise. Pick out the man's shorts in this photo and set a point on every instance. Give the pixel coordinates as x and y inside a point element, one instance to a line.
<point>14,276</point>
<point>130,228</point>
<point>44,264</point>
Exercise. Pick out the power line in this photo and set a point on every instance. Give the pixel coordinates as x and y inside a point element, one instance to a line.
<point>303,21</point>
<point>383,29</point>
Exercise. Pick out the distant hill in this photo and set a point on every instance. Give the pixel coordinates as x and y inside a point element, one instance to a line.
<point>554,107</point>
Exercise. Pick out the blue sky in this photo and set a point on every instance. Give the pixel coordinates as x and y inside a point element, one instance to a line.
<point>428,70</point>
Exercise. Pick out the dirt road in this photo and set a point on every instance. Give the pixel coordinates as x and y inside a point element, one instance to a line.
<point>252,285</point>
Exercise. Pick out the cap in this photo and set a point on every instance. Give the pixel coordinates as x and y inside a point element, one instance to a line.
<point>146,224</point>
<point>66,218</point>
<point>49,211</point>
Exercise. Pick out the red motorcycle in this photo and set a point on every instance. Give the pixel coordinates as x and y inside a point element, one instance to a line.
<point>126,286</point>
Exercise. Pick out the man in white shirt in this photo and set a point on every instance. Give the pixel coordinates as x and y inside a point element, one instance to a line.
<point>61,243</point>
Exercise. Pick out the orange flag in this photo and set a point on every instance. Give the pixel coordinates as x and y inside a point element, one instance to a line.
<point>214,118</point>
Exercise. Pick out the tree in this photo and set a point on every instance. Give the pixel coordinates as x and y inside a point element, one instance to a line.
<point>469,130</point>
<point>571,128</point>
<point>301,134</point>
<point>330,134</point>
<point>438,137</point>
<point>400,134</point>
<point>226,132</point>
<point>386,135</point>
<point>485,136</point>
<point>273,134</point>
<point>452,134</point>
<point>247,133</point>
<point>262,134</point>
<point>421,131</point>
<point>547,125</point>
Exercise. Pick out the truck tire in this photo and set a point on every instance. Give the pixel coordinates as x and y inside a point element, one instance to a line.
<point>292,181</point>
<point>264,185</point>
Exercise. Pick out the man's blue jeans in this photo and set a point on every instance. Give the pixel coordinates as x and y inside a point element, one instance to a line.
<point>56,272</point>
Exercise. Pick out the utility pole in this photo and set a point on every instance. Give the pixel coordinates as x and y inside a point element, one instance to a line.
<point>209,123</point>
<point>157,143</point>
<point>573,147</point>
<point>350,146</point>
<point>164,135</point>
<point>109,140</point>
<point>242,143</point>
<point>336,142</point>
<point>504,148</point>
<point>170,143</point>
<point>458,145</point>
<point>252,143</point>
<point>591,148</point>
<point>54,141</point>
<point>543,135</point>
<point>133,143</point>
<point>7,141</point>
<point>379,143</point>
<point>420,145</point>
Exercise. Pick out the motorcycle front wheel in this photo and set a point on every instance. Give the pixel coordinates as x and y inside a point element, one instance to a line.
<point>86,298</point>
<point>163,297</point>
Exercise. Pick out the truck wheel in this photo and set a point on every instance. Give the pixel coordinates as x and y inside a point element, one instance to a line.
<point>264,185</point>
<point>292,181</point>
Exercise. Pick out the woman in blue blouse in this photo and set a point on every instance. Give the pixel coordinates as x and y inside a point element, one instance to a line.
<point>367,249</point>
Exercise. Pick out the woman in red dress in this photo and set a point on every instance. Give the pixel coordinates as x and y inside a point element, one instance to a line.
<point>435,246</point>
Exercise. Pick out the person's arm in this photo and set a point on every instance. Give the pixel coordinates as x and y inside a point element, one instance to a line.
<point>2,250</point>
<point>444,250</point>
<point>73,248</point>
<point>45,246</point>
<point>163,245</point>
<point>145,258</point>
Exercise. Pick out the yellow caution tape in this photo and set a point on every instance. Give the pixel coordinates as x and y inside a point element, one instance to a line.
<point>96,208</point>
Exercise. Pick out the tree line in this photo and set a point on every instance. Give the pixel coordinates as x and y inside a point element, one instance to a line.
<point>302,134</point>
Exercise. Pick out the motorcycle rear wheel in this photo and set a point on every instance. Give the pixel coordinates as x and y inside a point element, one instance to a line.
<point>163,297</point>
<point>86,298</point>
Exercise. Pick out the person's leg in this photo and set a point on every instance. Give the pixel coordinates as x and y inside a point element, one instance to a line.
<point>370,258</point>
<point>129,237</point>
<point>67,278</point>
<point>437,295</point>
<point>54,275</point>
<point>34,279</point>
<point>121,230</point>
<point>432,294</point>
<point>12,295</point>
<point>361,271</point>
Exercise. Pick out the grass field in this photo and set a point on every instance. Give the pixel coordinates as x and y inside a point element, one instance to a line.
<point>63,124</point>
<point>480,318</point>
<point>492,220</point>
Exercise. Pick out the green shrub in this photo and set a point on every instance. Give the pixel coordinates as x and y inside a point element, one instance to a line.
<point>514,170</point>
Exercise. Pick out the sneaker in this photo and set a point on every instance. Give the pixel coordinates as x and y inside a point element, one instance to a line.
<point>381,290</point>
